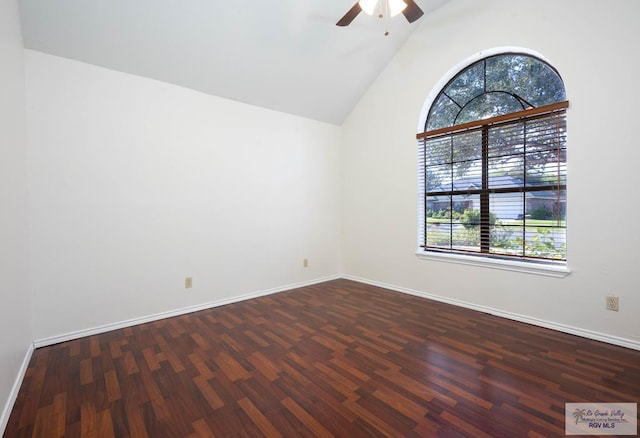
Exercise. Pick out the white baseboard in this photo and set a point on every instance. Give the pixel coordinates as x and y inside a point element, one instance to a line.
<point>6,412</point>
<point>177,312</point>
<point>622,342</point>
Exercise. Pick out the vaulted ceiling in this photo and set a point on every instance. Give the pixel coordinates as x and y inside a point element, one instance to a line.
<point>286,55</point>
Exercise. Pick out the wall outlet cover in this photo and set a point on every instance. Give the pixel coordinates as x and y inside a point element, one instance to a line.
<point>613,303</point>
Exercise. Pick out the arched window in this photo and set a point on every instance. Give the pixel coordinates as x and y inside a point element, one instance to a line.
<point>493,162</point>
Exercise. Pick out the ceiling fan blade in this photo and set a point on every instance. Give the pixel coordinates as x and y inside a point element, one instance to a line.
<point>349,16</point>
<point>412,12</point>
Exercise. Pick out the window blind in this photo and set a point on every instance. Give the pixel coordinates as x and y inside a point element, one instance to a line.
<point>497,186</point>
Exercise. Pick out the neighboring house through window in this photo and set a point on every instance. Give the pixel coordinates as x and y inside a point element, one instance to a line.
<point>492,162</point>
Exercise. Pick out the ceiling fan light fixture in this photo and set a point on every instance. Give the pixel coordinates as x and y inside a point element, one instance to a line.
<point>396,6</point>
<point>384,9</point>
<point>368,6</point>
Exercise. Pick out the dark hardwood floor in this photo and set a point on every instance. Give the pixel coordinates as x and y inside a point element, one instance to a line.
<point>336,359</point>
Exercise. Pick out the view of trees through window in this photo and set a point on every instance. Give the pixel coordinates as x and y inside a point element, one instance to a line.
<point>493,161</point>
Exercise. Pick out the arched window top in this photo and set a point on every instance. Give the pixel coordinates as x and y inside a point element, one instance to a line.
<point>493,86</point>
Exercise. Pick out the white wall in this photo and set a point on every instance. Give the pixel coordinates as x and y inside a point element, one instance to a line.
<point>135,184</point>
<point>594,46</point>
<point>15,321</point>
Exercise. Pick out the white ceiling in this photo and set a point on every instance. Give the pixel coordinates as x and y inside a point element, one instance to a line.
<point>286,55</point>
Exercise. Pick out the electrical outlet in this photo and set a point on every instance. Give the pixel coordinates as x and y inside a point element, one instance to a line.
<point>613,303</point>
<point>188,282</point>
<point>305,263</point>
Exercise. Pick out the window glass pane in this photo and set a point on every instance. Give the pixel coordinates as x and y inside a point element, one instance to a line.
<point>442,113</point>
<point>466,222</point>
<point>506,140</point>
<point>438,178</point>
<point>548,205</point>
<point>467,85</point>
<point>506,206</point>
<point>439,235</point>
<point>545,242</point>
<point>438,221</point>
<point>437,151</point>
<point>506,174</point>
<point>507,237</point>
<point>467,165</point>
<point>549,174</point>
<point>488,105</point>
<point>544,131</point>
<point>471,179</point>
<point>467,146</point>
<point>531,79</point>
<point>546,152</point>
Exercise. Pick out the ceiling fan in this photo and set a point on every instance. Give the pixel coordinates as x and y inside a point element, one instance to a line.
<point>385,8</point>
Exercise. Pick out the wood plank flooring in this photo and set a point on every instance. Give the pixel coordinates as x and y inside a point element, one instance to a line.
<point>336,359</point>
